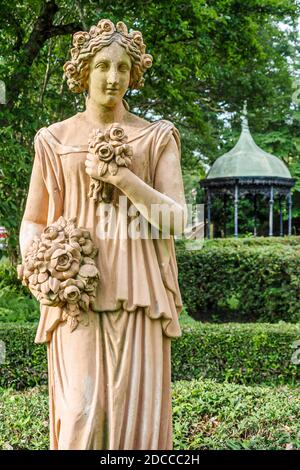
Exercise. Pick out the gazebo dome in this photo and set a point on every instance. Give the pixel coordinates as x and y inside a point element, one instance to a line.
<point>247,170</point>
<point>247,159</point>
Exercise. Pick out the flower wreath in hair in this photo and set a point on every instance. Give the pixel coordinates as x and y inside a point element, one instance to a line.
<point>86,44</point>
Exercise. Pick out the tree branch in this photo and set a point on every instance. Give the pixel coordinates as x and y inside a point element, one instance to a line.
<point>42,30</point>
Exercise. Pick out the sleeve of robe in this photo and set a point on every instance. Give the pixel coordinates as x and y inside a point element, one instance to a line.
<point>165,248</point>
<point>46,190</point>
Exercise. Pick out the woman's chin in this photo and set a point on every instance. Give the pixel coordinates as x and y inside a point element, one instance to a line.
<point>110,101</point>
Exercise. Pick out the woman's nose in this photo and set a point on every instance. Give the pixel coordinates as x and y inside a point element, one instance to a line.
<point>112,77</point>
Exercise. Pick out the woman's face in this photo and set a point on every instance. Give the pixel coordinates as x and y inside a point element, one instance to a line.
<point>109,75</point>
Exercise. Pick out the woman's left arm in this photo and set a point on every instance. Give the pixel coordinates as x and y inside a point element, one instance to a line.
<point>164,206</point>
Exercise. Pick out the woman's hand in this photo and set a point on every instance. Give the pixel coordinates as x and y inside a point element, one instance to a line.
<point>93,169</point>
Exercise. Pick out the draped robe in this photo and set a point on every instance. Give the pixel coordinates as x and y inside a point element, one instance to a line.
<point>110,380</point>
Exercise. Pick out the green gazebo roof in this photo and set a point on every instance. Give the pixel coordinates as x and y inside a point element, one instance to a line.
<point>247,159</point>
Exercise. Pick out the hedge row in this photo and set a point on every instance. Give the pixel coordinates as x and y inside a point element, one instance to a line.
<point>243,354</point>
<point>239,353</point>
<point>241,283</point>
<point>206,416</point>
<point>253,241</point>
<point>248,279</point>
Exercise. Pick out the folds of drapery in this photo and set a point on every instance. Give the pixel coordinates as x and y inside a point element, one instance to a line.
<point>144,271</point>
<point>110,384</point>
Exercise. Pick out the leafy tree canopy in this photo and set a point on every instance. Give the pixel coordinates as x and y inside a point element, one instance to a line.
<point>209,56</point>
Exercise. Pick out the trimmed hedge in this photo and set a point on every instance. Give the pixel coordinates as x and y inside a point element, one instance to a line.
<point>244,354</point>
<point>238,353</point>
<point>241,283</point>
<point>253,241</point>
<point>206,415</point>
<point>26,362</point>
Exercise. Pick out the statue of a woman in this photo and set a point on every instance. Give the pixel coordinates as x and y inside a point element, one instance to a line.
<point>110,377</point>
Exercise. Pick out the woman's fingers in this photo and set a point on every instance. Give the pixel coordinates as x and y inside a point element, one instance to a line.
<point>89,163</point>
<point>90,156</point>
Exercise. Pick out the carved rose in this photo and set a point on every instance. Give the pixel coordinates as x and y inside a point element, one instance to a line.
<point>88,273</point>
<point>137,37</point>
<point>96,136</point>
<point>106,26</point>
<point>70,69</point>
<point>147,61</point>
<point>80,38</point>
<point>51,232</point>
<point>104,151</point>
<point>115,133</point>
<point>72,294</point>
<point>64,263</point>
<point>123,155</point>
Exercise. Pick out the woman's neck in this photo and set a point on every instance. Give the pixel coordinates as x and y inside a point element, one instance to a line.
<point>102,116</point>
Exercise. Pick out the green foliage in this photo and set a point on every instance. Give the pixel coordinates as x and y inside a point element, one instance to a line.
<point>9,279</point>
<point>241,281</point>
<point>210,415</point>
<point>253,241</point>
<point>16,302</point>
<point>239,353</point>
<point>26,362</point>
<point>24,419</point>
<point>17,309</point>
<point>206,415</point>
<point>246,354</point>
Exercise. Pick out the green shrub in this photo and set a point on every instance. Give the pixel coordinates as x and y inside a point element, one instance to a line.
<point>241,283</point>
<point>9,279</point>
<point>26,362</point>
<point>206,415</point>
<point>245,354</point>
<point>253,241</point>
<point>24,419</point>
<point>16,308</point>
<point>16,302</point>
<point>240,353</point>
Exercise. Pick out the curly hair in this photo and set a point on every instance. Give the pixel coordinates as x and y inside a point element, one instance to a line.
<point>87,44</point>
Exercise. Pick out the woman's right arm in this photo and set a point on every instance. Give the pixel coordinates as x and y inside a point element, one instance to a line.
<point>35,216</point>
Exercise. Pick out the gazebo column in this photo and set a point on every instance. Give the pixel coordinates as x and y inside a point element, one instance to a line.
<point>236,210</point>
<point>224,211</point>
<point>280,217</point>
<point>271,204</point>
<point>208,212</point>
<point>289,203</point>
<point>255,215</point>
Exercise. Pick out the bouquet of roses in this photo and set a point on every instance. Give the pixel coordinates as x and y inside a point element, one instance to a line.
<point>60,271</point>
<point>112,150</point>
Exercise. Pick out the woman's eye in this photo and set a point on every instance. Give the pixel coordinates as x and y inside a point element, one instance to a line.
<point>102,66</point>
<point>123,68</point>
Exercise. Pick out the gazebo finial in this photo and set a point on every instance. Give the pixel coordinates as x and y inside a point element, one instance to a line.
<point>245,125</point>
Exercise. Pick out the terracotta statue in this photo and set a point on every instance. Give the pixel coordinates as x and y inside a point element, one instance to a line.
<point>109,301</point>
